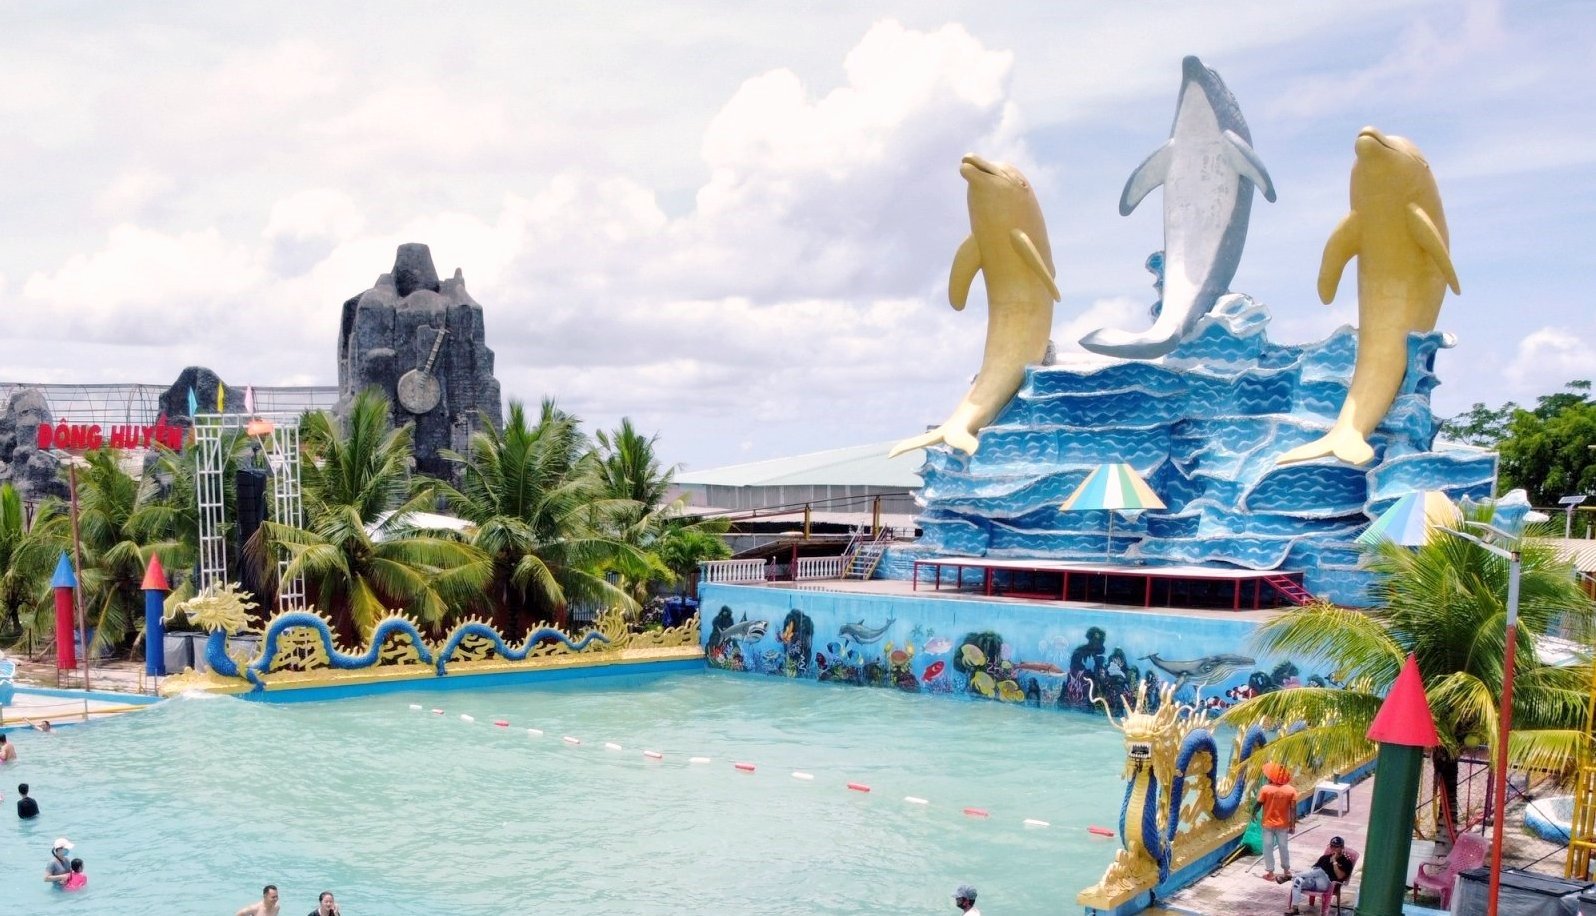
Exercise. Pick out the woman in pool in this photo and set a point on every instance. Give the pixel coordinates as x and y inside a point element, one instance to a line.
<point>7,752</point>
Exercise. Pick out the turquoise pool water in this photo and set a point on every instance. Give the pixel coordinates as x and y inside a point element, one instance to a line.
<point>192,806</point>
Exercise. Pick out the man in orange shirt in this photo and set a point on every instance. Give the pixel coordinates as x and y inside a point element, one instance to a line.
<point>1279,803</point>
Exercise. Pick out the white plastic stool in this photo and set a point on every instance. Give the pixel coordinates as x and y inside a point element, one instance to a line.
<point>1338,791</point>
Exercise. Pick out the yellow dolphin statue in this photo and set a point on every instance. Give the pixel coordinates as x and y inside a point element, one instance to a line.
<point>1008,245</point>
<point>1397,231</point>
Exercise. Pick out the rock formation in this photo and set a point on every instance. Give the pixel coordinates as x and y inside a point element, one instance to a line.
<point>389,339</point>
<point>204,383</point>
<point>35,474</point>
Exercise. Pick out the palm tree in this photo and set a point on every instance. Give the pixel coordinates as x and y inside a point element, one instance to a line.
<point>536,499</point>
<point>24,567</point>
<point>360,552</point>
<point>674,542</point>
<point>1446,604</point>
<point>112,558</point>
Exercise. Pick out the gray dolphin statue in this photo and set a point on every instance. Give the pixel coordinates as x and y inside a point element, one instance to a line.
<point>1206,670</point>
<point>1208,170</point>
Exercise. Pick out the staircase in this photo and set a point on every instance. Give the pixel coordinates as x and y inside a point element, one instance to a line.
<point>1290,590</point>
<point>862,559</point>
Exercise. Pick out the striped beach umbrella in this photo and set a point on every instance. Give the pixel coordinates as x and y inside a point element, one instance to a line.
<point>1111,488</point>
<point>1412,520</point>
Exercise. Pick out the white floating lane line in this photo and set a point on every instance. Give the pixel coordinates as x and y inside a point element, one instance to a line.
<point>437,712</point>
<point>467,718</point>
<point>612,746</point>
<point>915,800</point>
<point>698,760</point>
<point>415,705</point>
<point>571,741</point>
<point>806,777</point>
<point>654,755</point>
<point>1033,822</point>
<point>534,733</point>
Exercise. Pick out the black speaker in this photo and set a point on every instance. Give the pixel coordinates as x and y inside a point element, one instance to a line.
<point>251,485</point>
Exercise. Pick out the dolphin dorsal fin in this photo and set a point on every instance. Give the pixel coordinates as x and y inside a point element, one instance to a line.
<point>1241,156</point>
<point>1149,175</point>
<point>1026,249</point>
<point>966,261</point>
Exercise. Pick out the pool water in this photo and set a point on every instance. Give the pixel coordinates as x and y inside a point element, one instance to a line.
<point>192,806</point>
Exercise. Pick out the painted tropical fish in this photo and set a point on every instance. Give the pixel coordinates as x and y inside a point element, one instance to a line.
<point>745,631</point>
<point>937,645</point>
<point>1011,692</point>
<point>1206,670</point>
<point>1039,667</point>
<point>860,633</point>
<point>933,671</point>
<point>983,684</point>
<point>973,656</point>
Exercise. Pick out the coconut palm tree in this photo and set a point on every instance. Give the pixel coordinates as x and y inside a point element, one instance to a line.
<point>675,542</point>
<point>537,502</point>
<point>24,566</point>
<point>360,552</point>
<point>112,558</point>
<point>1446,604</point>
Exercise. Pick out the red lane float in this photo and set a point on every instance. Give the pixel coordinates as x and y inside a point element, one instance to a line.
<point>858,787</point>
<point>1095,830</point>
<point>976,812</point>
<point>437,712</point>
<point>502,723</point>
<point>745,767</point>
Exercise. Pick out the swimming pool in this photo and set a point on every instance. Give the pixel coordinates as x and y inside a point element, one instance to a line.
<point>192,806</point>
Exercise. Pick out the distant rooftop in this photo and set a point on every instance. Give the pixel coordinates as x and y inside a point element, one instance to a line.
<point>858,465</point>
<point>134,402</point>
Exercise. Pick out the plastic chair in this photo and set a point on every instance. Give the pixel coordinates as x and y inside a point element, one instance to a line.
<point>1468,851</point>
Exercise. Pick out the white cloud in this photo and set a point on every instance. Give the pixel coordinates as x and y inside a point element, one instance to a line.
<point>1549,357</point>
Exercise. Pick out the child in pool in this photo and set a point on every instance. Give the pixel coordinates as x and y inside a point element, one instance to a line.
<point>77,880</point>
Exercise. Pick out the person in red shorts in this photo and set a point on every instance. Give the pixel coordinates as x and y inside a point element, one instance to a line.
<point>1279,803</point>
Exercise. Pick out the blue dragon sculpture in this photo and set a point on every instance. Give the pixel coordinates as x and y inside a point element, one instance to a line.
<point>224,664</point>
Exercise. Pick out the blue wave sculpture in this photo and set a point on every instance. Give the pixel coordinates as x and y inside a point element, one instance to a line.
<point>1204,427</point>
<point>224,664</point>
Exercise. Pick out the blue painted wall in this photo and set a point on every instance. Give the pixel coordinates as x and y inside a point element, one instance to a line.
<point>1050,656</point>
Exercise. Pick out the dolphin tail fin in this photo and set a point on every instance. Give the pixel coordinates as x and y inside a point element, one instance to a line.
<point>1147,344</point>
<point>1342,442</point>
<point>956,437</point>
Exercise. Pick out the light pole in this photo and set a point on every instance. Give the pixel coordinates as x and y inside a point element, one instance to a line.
<point>1570,502</point>
<point>1504,715</point>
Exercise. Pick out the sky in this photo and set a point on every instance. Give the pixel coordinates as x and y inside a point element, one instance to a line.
<point>733,222</point>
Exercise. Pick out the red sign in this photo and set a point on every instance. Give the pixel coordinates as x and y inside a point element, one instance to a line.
<point>80,437</point>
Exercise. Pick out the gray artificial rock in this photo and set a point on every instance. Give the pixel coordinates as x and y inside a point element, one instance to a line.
<point>35,474</point>
<point>388,332</point>
<point>204,383</point>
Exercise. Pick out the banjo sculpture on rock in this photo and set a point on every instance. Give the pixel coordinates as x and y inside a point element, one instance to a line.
<point>418,389</point>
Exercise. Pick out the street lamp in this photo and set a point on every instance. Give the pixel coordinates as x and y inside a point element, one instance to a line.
<point>1570,502</point>
<point>1505,712</point>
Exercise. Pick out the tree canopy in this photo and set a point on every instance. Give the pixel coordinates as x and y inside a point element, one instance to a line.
<point>1545,449</point>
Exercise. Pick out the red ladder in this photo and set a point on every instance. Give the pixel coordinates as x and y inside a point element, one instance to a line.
<point>1290,590</point>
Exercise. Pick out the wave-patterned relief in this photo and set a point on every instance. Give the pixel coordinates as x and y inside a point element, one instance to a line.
<point>1204,426</point>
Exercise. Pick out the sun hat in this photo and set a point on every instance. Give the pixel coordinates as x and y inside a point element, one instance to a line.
<point>1276,773</point>
<point>964,892</point>
<point>62,842</point>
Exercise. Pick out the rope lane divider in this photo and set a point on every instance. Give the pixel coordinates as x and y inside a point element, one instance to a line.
<point>748,767</point>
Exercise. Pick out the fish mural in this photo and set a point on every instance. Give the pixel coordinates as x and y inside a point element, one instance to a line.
<point>1064,673</point>
<point>860,633</point>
